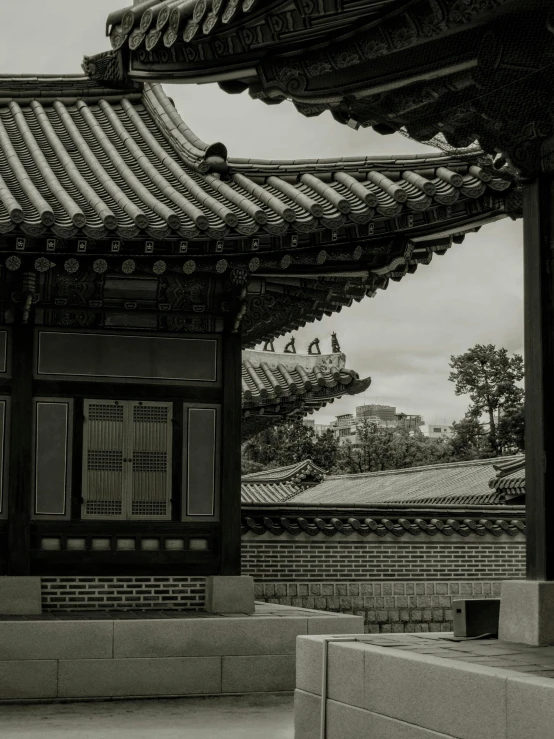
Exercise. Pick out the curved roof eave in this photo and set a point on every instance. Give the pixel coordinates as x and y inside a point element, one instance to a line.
<point>85,160</point>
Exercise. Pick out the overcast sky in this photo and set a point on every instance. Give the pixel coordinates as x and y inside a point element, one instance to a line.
<point>403,337</point>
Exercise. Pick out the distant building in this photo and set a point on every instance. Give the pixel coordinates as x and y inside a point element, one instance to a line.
<point>382,412</point>
<point>438,431</point>
<point>409,422</point>
<point>345,426</point>
<point>318,428</point>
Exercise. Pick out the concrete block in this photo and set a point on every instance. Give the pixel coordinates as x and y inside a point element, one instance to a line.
<point>309,660</point>
<point>56,640</point>
<point>307,715</point>
<point>530,707</point>
<point>345,673</point>
<point>20,596</point>
<point>526,612</point>
<point>206,637</point>
<point>101,678</point>
<point>227,594</point>
<point>349,722</point>
<point>336,624</point>
<point>453,698</point>
<point>23,680</point>
<point>260,674</point>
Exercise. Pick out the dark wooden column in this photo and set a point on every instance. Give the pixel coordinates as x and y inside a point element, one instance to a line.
<point>230,488</point>
<point>539,376</point>
<point>20,453</point>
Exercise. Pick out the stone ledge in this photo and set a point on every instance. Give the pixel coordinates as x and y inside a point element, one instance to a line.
<point>27,640</point>
<point>139,677</point>
<point>526,608</point>
<point>20,596</point>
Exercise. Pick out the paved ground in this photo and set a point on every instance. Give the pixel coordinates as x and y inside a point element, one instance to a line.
<point>244,717</point>
<point>490,652</point>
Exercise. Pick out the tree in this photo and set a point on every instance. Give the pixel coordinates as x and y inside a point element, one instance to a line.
<point>469,440</point>
<point>379,449</point>
<point>288,443</point>
<point>511,430</point>
<point>490,377</point>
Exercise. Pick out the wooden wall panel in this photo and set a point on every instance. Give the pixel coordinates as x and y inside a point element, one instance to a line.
<point>127,358</point>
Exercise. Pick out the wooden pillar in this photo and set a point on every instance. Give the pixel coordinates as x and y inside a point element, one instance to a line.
<point>539,375</point>
<point>230,488</point>
<point>20,452</point>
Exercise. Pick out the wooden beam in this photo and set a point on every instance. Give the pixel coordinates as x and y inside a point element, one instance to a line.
<point>538,210</point>
<point>20,454</point>
<point>230,469</point>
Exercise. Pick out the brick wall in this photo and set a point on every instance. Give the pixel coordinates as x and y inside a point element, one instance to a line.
<point>397,584</point>
<point>93,593</point>
<point>386,607</point>
<point>269,558</point>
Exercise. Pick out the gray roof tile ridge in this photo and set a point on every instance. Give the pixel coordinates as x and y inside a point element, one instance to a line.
<point>442,465</point>
<point>397,161</point>
<point>274,472</point>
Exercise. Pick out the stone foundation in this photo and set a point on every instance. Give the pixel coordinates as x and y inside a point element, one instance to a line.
<point>385,606</point>
<point>51,658</point>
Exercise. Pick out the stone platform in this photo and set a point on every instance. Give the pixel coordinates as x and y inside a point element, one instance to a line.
<point>423,686</point>
<point>102,654</point>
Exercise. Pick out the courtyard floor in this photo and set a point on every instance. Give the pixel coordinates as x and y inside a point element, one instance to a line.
<point>238,717</point>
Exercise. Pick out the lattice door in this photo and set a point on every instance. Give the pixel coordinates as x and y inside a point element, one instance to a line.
<point>127,459</point>
<point>103,466</point>
<point>151,460</point>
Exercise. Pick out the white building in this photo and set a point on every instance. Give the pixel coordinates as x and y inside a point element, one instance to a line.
<point>439,431</point>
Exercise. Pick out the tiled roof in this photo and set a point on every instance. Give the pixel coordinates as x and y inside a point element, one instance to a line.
<point>268,492</point>
<point>79,158</point>
<point>398,521</point>
<point>460,483</point>
<point>95,170</point>
<point>279,484</point>
<point>510,476</point>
